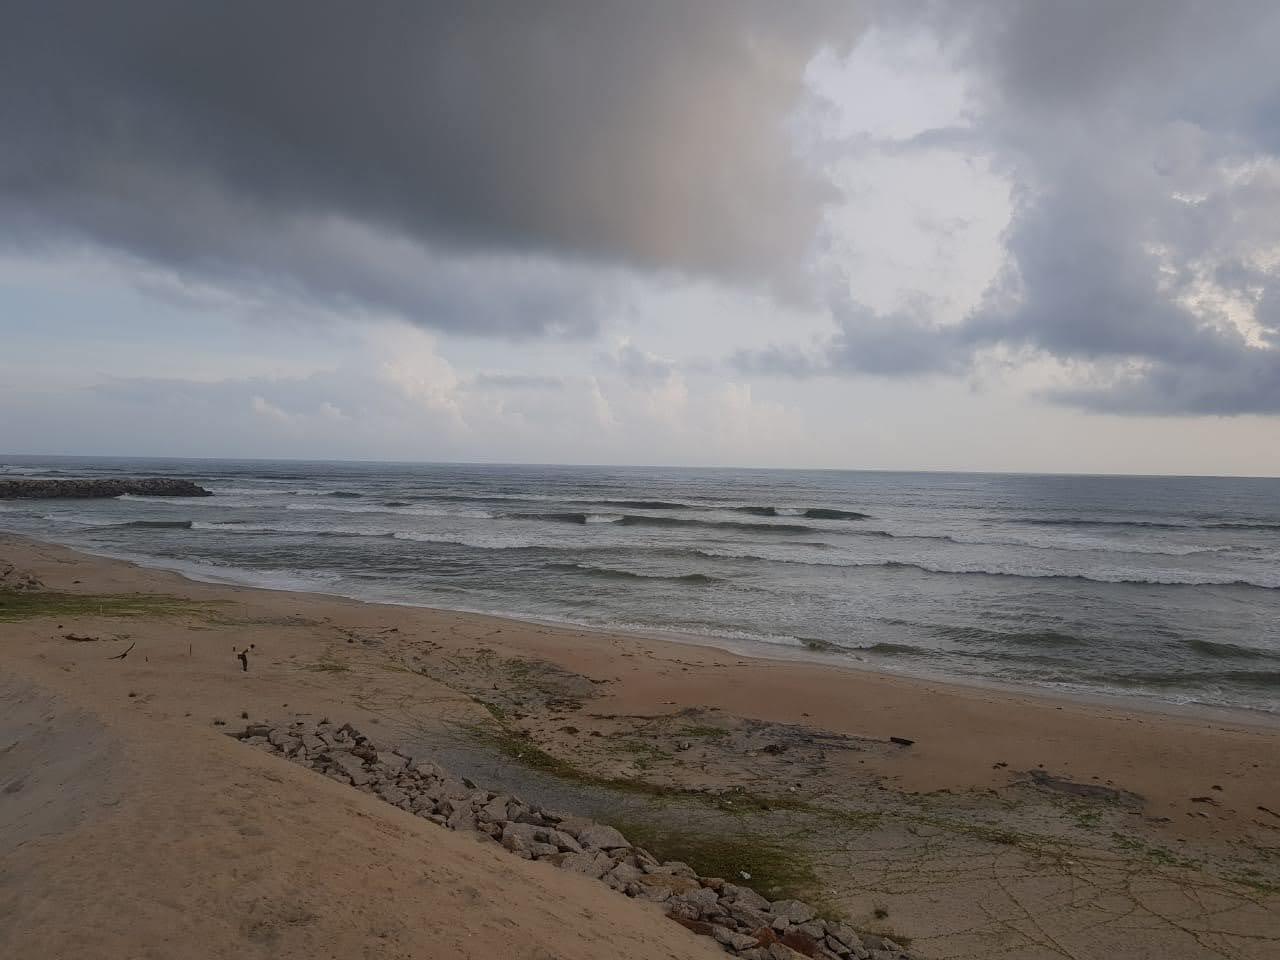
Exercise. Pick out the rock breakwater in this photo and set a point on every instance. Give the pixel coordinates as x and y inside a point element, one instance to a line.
<point>741,920</point>
<point>86,487</point>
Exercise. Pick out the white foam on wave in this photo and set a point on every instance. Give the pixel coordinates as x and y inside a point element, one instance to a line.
<point>79,519</point>
<point>1094,574</point>
<point>479,541</point>
<point>412,511</point>
<point>17,471</point>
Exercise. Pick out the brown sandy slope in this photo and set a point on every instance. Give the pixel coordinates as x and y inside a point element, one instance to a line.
<point>139,830</point>
<point>128,829</point>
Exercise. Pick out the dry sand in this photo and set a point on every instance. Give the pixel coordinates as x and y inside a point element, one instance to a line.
<point>1017,825</point>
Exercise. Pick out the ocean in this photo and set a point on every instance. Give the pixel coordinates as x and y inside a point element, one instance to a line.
<point>1159,587</point>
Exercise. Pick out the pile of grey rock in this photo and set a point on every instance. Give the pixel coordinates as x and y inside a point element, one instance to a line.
<point>50,488</point>
<point>85,488</point>
<point>740,919</point>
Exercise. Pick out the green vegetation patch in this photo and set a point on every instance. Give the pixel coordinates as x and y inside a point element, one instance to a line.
<point>1156,854</point>
<point>328,666</point>
<point>32,604</point>
<point>769,866</point>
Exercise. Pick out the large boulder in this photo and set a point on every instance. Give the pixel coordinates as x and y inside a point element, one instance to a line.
<point>603,837</point>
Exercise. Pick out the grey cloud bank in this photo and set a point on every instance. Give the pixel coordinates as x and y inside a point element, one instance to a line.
<point>515,171</point>
<point>1142,141</point>
<point>375,154</point>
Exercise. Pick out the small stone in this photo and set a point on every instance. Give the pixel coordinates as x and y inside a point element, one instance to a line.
<point>454,789</point>
<point>461,819</point>
<point>563,840</point>
<point>391,794</point>
<point>817,929</point>
<point>745,896</point>
<point>704,899</point>
<point>573,825</point>
<point>679,910</point>
<point>626,873</point>
<point>732,939</point>
<point>792,910</point>
<point>428,769</point>
<point>670,883</point>
<point>748,916</point>
<point>846,935</point>
<point>352,767</point>
<point>653,893</point>
<point>393,761</point>
<point>495,809</point>
<point>672,868</point>
<point>589,864</point>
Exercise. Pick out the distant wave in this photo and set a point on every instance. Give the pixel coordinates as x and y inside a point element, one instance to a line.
<point>1088,522</point>
<point>1031,638</point>
<point>612,573</point>
<point>1144,524</point>
<point>1229,651</point>
<point>637,520</point>
<point>1090,578</point>
<point>642,504</point>
<point>1161,550</point>
<point>23,471</point>
<point>236,526</point>
<point>811,513</point>
<point>895,649</point>
<point>154,524</point>
<point>417,510</point>
<point>1267,679</point>
<point>729,554</point>
<point>334,508</point>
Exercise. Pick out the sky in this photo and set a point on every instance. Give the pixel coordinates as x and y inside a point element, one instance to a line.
<point>986,235</point>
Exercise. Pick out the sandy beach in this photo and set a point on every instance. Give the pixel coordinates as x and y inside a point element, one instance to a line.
<point>966,821</point>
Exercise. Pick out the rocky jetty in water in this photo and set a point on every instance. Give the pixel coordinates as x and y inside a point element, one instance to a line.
<point>41,488</point>
<point>745,923</point>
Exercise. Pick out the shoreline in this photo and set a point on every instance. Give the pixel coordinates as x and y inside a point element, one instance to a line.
<point>992,813</point>
<point>761,650</point>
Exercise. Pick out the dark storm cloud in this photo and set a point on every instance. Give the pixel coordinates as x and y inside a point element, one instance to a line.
<point>251,143</point>
<point>1142,141</point>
